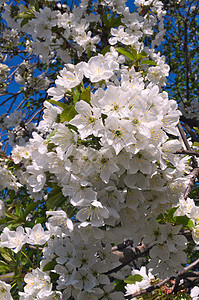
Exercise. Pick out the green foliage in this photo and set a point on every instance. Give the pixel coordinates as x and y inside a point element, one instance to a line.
<point>49,266</point>
<point>133,279</point>
<point>184,220</point>
<point>86,94</point>
<point>168,217</point>
<point>68,113</point>
<point>55,198</point>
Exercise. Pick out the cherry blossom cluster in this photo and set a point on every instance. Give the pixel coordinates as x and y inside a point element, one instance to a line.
<point>125,172</point>
<point>52,30</point>
<point>113,158</point>
<point>188,207</point>
<point>4,69</point>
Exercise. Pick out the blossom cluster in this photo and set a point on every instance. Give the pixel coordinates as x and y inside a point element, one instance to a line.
<point>4,69</point>
<point>52,30</point>
<point>188,207</point>
<point>110,153</point>
<point>126,172</point>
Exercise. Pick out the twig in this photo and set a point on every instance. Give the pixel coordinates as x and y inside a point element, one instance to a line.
<point>193,176</point>
<point>182,133</point>
<point>191,133</point>
<point>34,116</point>
<point>188,152</point>
<point>128,255</point>
<point>184,138</point>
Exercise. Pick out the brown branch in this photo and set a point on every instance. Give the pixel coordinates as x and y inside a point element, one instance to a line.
<point>184,138</point>
<point>193,176</point>
<point>188,147</point>
<point>191,122</point>
<point>187,63</point>
<point>188,152</point>
<point>129,255</point>
<point>37,112</point>
<point>191,133</point>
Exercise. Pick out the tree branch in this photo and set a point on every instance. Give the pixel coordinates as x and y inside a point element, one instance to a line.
<point>128,255</point>
<point>193,176</point>
<point>188,152</point>
<point>184,138</point>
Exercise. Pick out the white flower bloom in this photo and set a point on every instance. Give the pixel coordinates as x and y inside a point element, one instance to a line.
<point>95,213</point>
<point>37,284</point>
<point>83,280</point>
<point>117,134</point>
<point>195,234</point>
<point>195,293</point>
<point>8,180</point>
<point>157,74</point>
<point>185,207</point>
<point>194,214</point>
<point>5,291</point>
<point>69,77</point>
<point>145,283</point>
<point>37,178</point>
<point>13,239</point>
<point>2,209</point>
<point>49,117</point>
<point>119,35</point>
<point>59,220</point>
<point>113,101</point>
<point>98,68</point>
<point>105,164</point>
<point>64,139</point>
<point>88,119</point>
<point>37,235</point>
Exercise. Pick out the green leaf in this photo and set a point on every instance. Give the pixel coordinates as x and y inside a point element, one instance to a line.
<point>6,257</point>
<point>4,220</point>
<point>11,194</point>
<point>49,266</point>
<point>126,53</point>
<point>184,220</point>
<point>18,208</point>
<point>149,62</point>
<point>141,55</point>
<point>196,129</point>
<point>11,216</point>
<point>133,278</point>
<point>196,144</point>
<point>55,198</point>
<point>115,22</point>
<point>57,103</point>
<point>86,94</point>
<point>68,113</point>
<point>105,20</point>
<point>171,212</point>
<point>25,15</point>
<point>25,21</point>
<point>119,285</point>
<point>134,53</point>
<point>76,95</point>
<point>4,266</point>
<point>32,206</point>
<point>105,50</point>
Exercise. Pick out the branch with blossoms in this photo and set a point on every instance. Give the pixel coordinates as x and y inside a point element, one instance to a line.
<point>128,255</point>
<point>185,274</point>
<point>98,168</point>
